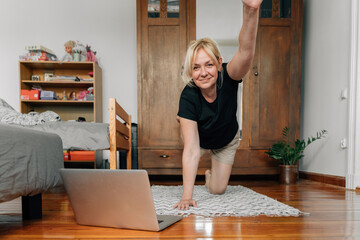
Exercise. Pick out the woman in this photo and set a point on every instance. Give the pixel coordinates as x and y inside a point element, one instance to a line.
<point>207,109</point>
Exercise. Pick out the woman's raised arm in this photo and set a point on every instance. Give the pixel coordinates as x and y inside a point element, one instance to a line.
<point>241,62</point>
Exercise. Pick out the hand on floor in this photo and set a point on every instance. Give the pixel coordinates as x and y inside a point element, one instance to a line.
<point>185,204</point>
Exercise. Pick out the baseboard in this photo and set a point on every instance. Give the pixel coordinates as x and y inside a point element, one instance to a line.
<point>324,178</point>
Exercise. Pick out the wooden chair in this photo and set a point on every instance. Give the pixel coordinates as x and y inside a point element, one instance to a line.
<point>119,133</point>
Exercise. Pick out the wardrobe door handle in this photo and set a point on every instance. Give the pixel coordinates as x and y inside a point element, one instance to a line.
<point>164,156</point>
<point>255,71</point>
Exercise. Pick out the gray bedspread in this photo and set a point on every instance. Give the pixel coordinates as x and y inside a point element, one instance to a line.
<point>29,161</point>
<point>74,135</point>
<point>78,135</point>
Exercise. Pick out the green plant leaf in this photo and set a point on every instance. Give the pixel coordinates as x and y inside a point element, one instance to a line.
<point>290,154</point>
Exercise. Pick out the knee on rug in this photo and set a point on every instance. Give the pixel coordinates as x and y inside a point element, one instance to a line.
<point>217,190</point>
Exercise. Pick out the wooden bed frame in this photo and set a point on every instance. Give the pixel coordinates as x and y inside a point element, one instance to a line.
<point>119,133</point>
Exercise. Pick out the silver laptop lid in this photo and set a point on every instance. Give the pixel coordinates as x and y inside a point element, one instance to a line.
<point>111,198</point>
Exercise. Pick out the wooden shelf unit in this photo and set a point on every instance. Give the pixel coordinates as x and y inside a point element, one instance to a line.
<point>67,109</point>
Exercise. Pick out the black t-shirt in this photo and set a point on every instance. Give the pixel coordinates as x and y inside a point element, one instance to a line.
<point>217,122</point>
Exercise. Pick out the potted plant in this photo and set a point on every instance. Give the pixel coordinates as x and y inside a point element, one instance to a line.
<point>289,154</point>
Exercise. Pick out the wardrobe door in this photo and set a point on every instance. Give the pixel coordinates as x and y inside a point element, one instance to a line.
<point>277,74</point>
<point>272,86</point>
<point>164,31</point>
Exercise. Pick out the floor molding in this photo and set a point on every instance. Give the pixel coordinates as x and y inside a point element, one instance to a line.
<point>324,178</point>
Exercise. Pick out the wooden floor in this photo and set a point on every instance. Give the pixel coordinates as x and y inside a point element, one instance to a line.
<point>334,214</point>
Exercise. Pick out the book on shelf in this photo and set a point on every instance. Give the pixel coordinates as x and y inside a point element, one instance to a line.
<point>38,53</point>
<point>39,48</point>
<point>63,77</point>
<point>69,78</point>
<point>86,79</point>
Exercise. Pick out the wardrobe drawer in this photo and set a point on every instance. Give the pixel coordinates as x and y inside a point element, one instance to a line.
<point>160,158</point>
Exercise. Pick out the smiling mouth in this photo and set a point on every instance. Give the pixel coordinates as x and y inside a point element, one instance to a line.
<point>204,79</point>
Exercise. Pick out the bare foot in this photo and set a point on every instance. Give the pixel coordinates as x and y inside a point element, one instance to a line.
<point>207,178</point>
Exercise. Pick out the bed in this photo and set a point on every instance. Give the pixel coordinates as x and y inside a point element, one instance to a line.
<point>79,135</point>
<point>31,156</point>
<point>29,165</point>
<point>114,136</point>
<point>119,133</point>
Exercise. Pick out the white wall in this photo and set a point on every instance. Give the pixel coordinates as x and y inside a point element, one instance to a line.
<point>109,26</point>
<point>221,21</point>
<point>326,55</point>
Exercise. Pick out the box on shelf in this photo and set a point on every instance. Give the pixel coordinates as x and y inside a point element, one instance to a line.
<point>30,94</point>
<point>48,95</point>
<point>89,97</point>
<point>82,155</point>
<point>66,155</point>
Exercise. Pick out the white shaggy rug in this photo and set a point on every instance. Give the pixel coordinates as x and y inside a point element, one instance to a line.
<point>237,201</point>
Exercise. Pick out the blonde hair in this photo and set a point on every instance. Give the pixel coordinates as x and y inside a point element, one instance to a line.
<point>210,47</point>
<point>70,43</point>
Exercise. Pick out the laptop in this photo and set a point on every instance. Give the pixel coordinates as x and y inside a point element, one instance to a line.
<point>113,198</point>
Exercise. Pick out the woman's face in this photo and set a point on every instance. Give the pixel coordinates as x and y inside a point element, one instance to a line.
<point>204,70</point>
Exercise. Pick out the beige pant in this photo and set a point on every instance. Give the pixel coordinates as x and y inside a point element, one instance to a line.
<point>225,154</point>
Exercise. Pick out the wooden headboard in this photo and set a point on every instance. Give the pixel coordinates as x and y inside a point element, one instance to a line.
<point>119,133</point>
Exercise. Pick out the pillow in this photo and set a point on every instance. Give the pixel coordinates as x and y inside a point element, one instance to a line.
<point>9,115</point>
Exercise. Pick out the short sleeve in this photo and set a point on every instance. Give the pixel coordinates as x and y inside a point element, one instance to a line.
<point>187,104</point>
<point>226,75</point>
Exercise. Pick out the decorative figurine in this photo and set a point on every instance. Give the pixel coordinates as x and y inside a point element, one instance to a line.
<point>73,95</point>
<point>90,55</point>
<point>69,57</point>
<point>64,96</point>
<point>80,51</point>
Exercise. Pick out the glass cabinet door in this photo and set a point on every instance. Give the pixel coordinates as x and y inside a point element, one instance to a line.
<point>173,8</point>
<point>275,9</point>
<point>266,9</point>
<point>285,8</point>
<point>163,8</point>
<point>153,8</point>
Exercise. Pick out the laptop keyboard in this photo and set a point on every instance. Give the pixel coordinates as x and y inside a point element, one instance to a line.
<point>160,221</point>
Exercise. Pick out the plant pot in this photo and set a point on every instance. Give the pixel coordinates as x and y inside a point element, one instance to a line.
<point>288,174</point>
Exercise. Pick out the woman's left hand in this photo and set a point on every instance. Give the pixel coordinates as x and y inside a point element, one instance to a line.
<point>252,3</point>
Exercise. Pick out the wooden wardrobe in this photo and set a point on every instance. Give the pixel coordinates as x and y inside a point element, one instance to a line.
<point>271,89</point>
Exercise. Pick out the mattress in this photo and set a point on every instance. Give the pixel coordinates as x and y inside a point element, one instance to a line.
<point>78,135</point>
